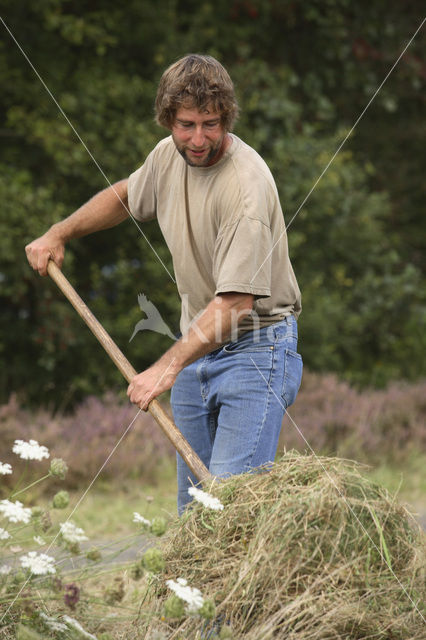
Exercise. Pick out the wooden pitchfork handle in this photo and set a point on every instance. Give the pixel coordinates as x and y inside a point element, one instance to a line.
<point>166,423</point>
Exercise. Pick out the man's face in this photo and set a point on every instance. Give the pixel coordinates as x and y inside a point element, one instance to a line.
<point>199,136</point>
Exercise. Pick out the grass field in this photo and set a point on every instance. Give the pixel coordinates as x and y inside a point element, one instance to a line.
<point>107,509</point>
<point>105,513</point>
<point>382,428</point>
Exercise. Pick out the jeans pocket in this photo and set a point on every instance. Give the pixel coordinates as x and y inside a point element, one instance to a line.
<point>293,368</point>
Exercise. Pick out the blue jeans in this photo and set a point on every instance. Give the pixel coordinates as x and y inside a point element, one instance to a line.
<point>229,404</point>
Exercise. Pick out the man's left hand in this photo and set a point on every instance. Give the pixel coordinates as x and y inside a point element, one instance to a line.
<point>150,383</point>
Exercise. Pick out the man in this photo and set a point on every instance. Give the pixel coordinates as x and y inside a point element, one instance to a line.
<point>236,367</point>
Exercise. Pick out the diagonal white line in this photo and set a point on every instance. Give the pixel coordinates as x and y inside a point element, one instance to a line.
<point>84,145</point>
<point>75,508</point>
<point>341,144</point>
<point>158,257</point>
<point>160,379</point>
<point>97,475</point>
<point>339,491</point>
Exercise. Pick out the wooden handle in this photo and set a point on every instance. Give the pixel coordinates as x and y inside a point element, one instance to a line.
<point>156,410</point>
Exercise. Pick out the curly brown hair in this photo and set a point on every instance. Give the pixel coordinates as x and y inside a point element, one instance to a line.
<point>196,81</point>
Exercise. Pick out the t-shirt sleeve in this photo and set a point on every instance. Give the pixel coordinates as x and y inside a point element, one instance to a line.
<point>141,192</point>
<point>242,258</point>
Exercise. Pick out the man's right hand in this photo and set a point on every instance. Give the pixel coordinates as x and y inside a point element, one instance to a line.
<point>40,251</point>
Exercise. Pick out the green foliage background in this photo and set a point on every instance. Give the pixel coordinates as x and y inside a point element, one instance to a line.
<point>304,71</point>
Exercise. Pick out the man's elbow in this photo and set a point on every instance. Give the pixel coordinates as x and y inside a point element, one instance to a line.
<point>240,302</point>
<point>120,191</point>
<point>246,303</point>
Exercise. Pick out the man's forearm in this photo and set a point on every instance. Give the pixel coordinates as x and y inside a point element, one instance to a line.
<point>214,327</point>
<point>106,209</point>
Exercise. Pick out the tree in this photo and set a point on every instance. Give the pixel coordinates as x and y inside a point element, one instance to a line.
<point>303,73</point>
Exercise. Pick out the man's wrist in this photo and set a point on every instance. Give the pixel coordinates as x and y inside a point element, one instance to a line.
<point>57,232</point>
<point>172,362</point>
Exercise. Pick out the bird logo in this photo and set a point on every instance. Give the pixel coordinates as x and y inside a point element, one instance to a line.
<point>153,321</point>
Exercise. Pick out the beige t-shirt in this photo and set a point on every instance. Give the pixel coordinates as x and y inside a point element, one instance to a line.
<point>224,228</point>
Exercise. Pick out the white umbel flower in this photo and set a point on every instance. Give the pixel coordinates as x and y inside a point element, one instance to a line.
<point>191,595</point>
<point>39,540</point>
<point>71,533</point>
<point>31,450</point>
<point>15,511</point>
<point>39,564</point>
<point>5,468</point>
<point>4,535</point>
<point>205,498</point>
<point>140,519</point>
<point>5,569</point>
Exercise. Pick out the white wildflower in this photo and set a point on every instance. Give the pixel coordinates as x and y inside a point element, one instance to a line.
<point>39,540</point>
<point>38,564</point>
<point>15,511</point>
<point>205,498</point>
<point>5,468</point>
<point>31,450</point>
<point>71,533</point>
<point>4,535</point>
<point>53,624</point>
<point>5,569</point>
<point>190,595</point>
<point>76,625</point>
<point>140,519</point>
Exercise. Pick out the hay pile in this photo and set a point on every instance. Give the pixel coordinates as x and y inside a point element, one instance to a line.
<point>310,550</point>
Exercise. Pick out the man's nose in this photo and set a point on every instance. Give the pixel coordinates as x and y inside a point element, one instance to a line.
<point>198,137</point>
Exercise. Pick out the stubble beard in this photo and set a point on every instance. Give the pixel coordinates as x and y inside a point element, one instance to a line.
<point>214,151</point>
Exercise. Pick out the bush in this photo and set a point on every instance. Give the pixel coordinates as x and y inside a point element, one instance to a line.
<point>372,425</point>
<point>87,438</point>
<point>334,418</point>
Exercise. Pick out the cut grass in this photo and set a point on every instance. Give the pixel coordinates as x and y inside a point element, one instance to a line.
<point>311,549</point>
